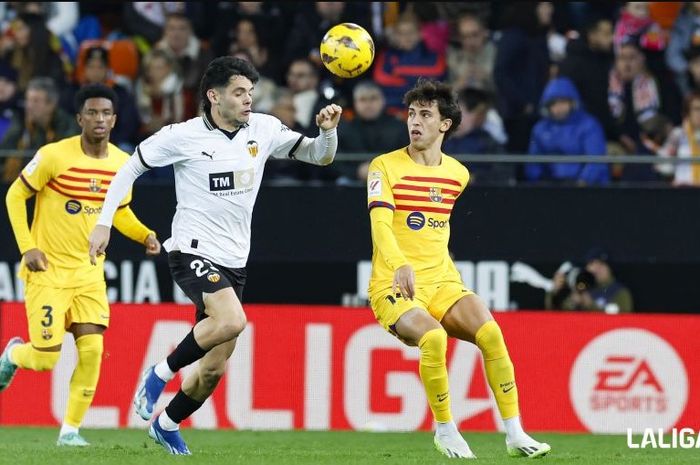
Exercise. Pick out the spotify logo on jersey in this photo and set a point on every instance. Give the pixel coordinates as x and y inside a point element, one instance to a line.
<point>415,220</point>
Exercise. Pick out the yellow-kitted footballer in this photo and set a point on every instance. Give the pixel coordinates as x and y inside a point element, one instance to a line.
<point>64,291</point>
<point>415,290</point>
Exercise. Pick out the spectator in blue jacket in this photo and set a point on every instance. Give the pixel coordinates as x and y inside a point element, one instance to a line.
<point>566,129</point>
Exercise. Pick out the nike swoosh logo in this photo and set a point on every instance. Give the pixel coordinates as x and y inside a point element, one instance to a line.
<point>509,389</point>
<point>441,398</point>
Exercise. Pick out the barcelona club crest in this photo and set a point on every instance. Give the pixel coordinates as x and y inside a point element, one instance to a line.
<point>435,194</point>
<point>95,185</point>
<point>253,148</point>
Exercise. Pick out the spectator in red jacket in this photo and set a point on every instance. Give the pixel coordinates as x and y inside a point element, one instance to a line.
<point>399,66</point>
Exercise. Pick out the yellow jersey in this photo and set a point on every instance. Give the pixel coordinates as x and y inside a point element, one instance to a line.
<point>70,188</point>
<point>420,199</point>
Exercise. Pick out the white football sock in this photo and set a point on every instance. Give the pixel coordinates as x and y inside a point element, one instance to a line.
<point>163,371</point>
<point>65,429</point>
<point>514,429</point>
<point>167,423</point>
<point>446,428</point>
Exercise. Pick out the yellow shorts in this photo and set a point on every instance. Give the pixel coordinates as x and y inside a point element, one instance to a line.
<point>50,311</point>
<point>436,299</point>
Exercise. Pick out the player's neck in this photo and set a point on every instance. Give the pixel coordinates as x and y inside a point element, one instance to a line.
<point>430,156</point>
<point>221,123</point>
<point>94,149</point>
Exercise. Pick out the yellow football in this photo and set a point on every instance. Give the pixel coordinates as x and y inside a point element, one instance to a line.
<point>347,50</point>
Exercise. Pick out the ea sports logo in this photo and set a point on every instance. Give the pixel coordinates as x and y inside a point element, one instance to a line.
<point>628,378</point>
<point>415,220</point>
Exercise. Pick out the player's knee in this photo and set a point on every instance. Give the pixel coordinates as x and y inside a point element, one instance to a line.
<point>231,328</point>
<point>44,361</point>
<point>90,348</point>
<point>433,347</point>
<point>489,339</point>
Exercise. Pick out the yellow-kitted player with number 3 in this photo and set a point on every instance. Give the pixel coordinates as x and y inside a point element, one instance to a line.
<point>64,290</point>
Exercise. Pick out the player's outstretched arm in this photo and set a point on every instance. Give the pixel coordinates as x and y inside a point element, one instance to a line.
<point>121,184</point>
<point>321,150</point>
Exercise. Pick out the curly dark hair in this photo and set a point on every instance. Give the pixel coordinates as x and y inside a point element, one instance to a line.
<point>220,71</point>
<point>427,90</point>
<point>94,91</point>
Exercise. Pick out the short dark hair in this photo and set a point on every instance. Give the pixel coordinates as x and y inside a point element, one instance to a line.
<point>427,90</point>
<point>219,72</point>
<point>94,91</point>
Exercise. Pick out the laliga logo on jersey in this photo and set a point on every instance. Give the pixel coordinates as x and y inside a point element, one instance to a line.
<point>252,148</point>
<point>435,194</point>
<point>95,185</point>
<point>415,221</point>
<point>73,207</point>
<point>628,379</point>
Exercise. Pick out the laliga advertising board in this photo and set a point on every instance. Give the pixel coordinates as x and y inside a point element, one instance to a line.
<point>314,367</point>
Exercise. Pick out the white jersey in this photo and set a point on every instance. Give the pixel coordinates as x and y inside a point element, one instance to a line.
<point>217,179</point>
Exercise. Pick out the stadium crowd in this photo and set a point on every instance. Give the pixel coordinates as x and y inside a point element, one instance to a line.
<point>548,78</point>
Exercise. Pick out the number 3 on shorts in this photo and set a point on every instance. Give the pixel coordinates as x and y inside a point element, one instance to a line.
<point>48,316</point>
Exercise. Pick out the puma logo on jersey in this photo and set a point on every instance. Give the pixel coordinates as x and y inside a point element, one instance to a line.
<point>211,157</point>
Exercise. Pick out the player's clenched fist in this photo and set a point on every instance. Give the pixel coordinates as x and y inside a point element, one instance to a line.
<point>99,238</point>
<point>152,245</point>
<point>35,260</point>
<point>329,116</point>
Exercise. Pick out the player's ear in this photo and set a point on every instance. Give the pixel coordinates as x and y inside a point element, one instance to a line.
<point>114,121</point>
<point>445,125</point>
<point>213,96</point>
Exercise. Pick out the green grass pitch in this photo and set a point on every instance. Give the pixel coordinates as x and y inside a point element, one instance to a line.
<point>20,446</point>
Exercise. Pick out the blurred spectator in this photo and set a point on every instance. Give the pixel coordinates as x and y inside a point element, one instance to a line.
<point>160,98</point>
<point>282,171</point>
<point>146,20</point>
<point>470,64</point>
<point>521,71</point>
<point>192,56</point>
<point>309,27</point>
<point>608,295</point>
<point>556,42</point>
<point>270,25</point>
<point>434,29</point>
<point>33,51</point>
<point>593,288</point>
<point>43,122</point>
<point>474,136</point>
<point>60,17</point>
<point>97,71</point>
<point>571,289</point>
<point>635,24</point>
<point>372,130</point>
<point>588,62</point>
<point>684,36</point>
<point>248,39</point>
<point>633,94</point>
<point>8,97</point>
<point>302,80</point>
<point>681,142</point>
<point>399,66</point>
<point>566,129</point>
